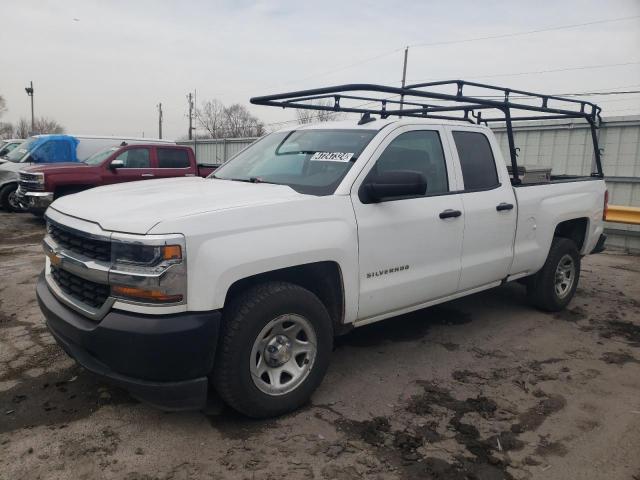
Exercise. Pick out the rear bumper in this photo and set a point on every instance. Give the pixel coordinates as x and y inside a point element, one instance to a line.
<point>36,202</point>
<point>163,360</point>
<point>600,247</point>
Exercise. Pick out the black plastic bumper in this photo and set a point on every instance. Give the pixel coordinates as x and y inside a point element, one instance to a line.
<point>599,248</point>
<point>163,360</point>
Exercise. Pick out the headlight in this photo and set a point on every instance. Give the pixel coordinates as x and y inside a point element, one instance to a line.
<point>145,255</point>
<point>148,269</point>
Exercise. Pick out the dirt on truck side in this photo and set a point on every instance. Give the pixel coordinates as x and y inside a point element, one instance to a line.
<point>483,387</point>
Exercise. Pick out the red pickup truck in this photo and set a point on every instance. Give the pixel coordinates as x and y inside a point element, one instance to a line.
<point>39,186</point>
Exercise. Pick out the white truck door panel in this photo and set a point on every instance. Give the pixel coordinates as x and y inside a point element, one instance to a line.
<point>408,255</point>
<point>490,209</point>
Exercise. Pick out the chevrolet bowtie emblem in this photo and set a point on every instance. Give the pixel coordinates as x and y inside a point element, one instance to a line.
<point>54,258</point>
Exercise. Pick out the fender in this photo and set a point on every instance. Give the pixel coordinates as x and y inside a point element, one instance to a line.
<point>226,246</point>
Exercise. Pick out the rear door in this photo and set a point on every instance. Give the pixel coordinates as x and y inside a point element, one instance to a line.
<point>409,248</point>
<point>137,166</point>
<point>173,162</point>
<point>489,206</point>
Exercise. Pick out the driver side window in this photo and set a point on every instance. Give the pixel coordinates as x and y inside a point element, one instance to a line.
<point>418,151</point>
<point>135,158</point>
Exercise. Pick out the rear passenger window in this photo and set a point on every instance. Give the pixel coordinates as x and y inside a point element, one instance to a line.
<point>418,151</point>
<point>172,158</point>
<point>476,159</point>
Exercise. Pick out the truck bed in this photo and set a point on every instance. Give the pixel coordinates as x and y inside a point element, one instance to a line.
<point>547,204</point>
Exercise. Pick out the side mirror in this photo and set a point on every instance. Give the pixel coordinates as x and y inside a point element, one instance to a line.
<point>393,184</point>
<point>115,164</point>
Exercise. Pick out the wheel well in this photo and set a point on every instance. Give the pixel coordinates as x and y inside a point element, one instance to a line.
<point>324,279</point>
<point>575,230</point>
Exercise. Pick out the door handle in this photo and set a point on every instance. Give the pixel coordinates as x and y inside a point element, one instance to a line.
<point>449,213</point>
<point>147,175</point>
<point>504,206</point>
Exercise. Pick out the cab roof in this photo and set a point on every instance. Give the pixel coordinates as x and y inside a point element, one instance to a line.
<point>377,124</point>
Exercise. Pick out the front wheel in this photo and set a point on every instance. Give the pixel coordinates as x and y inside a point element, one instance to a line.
<point>553,287</point>
<point>9,198</point>
<point>274,351</point>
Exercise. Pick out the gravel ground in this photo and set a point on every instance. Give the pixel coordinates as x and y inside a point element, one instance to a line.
<point>484,387</point>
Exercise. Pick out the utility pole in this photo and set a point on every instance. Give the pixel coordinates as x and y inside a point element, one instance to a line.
<point>190,100</point>
<point>160,120</point>
<point>29,91</point>
<point>404,76</point>
<point>195,135</point>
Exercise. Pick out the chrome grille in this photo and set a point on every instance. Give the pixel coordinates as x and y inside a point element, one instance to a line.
<point>30,182</point>
<point>85,291</point>
<point>75,242</point>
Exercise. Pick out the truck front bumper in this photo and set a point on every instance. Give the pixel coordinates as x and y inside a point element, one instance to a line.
<point>163,360</point>
<point>35,202</point>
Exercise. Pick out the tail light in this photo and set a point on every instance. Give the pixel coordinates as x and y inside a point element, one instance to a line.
<point>606,205</point>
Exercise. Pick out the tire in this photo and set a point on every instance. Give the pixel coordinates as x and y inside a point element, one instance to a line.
<point>8,200</point>
<point>553,287</point>
<point>252,314</point>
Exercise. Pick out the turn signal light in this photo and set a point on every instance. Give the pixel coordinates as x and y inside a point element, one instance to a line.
<point>606,205</point>
<point>171,252</point>
<point>141,294</point>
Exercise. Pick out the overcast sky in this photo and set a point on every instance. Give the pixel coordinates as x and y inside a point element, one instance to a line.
<point>102,66</point>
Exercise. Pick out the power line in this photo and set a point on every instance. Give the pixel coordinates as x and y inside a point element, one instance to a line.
<point>539,72</point>
<point>466,40</point>
<point>529,32</point>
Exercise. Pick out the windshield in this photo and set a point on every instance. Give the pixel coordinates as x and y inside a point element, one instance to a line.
<point>7,147</point>
<point>309,161</point>
<point>99,157</point>
<point>19,154</point>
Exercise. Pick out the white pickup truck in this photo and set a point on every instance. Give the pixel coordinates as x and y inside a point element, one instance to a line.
<point>242,280</point>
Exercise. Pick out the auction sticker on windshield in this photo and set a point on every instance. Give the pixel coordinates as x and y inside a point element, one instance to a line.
<point>331,157</point>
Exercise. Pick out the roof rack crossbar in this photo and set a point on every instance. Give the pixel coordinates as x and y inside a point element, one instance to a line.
<point>415,96</point>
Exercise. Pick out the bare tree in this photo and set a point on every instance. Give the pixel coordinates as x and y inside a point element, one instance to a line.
<point>6,130</point>
<point>240,122</point>
<point>22,128</point>
<point>47,125</point>
<point>234,121</point>
<point>211,117</point>
<point>305,116</point>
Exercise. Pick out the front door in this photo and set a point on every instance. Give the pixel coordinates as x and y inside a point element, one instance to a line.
<point>409,249</point>
<point>136,166</point>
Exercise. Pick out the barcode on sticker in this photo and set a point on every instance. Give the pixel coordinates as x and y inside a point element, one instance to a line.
<point>331,156</point>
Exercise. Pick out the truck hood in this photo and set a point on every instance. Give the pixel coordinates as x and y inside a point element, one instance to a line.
<point>56,167</point>
<point>13,166</point>
<point>136,207</point>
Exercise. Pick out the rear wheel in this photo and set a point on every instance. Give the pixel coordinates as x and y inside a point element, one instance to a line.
<point>553,287</point>
<point>274,351</point>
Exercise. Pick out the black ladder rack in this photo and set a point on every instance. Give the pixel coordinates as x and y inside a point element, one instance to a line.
<point>413,102</point>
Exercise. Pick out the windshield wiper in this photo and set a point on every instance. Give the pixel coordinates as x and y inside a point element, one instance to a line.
<point>245,180</point>
<point>298,152</point>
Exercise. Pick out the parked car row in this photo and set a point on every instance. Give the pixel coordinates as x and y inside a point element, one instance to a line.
<point>46,167</point>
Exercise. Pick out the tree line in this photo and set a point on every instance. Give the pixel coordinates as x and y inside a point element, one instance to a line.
<point>233,121</point>
<point>22,128</point>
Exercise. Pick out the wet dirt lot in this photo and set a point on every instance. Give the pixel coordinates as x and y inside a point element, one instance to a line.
<point>482,388</point>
